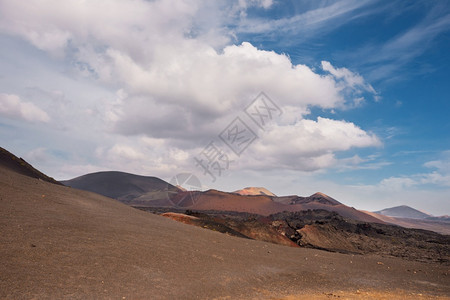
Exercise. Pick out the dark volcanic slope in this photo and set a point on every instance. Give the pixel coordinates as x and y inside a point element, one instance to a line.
<point>57,242</point>
<point>327,230</point>
<point>19,165</point>
<point>125,187</point>
<point>318,198</point>
<point>314,198</point>
<point>403,211</point>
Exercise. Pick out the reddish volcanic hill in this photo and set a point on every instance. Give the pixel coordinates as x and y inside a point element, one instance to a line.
<point>265,205</point>
<point>253,191</point>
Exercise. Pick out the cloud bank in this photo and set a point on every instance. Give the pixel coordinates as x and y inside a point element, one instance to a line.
<point>180,77</point>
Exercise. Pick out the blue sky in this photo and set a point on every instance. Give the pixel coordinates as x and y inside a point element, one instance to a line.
<point>144,86</point>
<point>401,48</point>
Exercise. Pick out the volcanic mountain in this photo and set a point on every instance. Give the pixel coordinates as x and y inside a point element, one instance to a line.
<point>266,205</point>
<point>253,191</point>
<point>60,242</point>
<point>314,198</point>
<point>409,217</point>
<point>153,192</point>
<point>403,211</point>
<point>125,187</point>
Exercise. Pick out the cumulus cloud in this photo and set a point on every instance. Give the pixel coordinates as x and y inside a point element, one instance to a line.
<point>12,106</point>
<point>144,155</point>
<point>147,47</point>
<point>216,86</point>
<point>309,145</point>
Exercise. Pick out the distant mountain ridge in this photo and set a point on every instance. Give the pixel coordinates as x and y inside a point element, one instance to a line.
<point>403,211</point>
<point>146,191</point>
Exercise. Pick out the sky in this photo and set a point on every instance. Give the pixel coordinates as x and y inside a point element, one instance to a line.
<point>349,98</point>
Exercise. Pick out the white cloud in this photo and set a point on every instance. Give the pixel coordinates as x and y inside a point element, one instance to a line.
<point>12,106</point>
<point>308,145</point>
<point>72,170</point>
<point>351,83</point>
<point>143,155</point>
<point>358,163</point>
<point>440,177</point>
<point>244,4</point>
<point>37,155</point>
<point>146,48</point>
<point>442,164</point>
<point>216,86</point>
<point>351,79</point>
<point>125,152</point>
<point>306,21</point>
<point>397,183</point>
<point>436,179</point>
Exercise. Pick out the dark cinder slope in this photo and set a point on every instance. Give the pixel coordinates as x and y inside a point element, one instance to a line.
<point>318,198</point>
<point>125,187</point>
<point>403,211</point>
<point>19,165</point>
